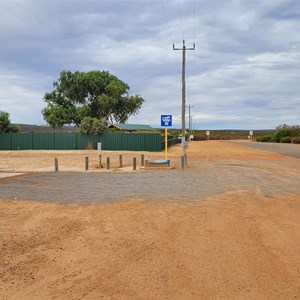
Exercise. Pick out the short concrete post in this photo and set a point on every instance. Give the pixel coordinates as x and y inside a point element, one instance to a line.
<point>108,163</point>
<point>86,163</point>
<point>185,160</point>
<point>120,161</point>
<point>134,163</point>
<point>143,160</point>
<point>56,164</point>
<point>99,161</point>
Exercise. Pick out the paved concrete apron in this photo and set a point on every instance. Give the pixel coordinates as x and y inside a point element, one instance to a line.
<point>3,175</point>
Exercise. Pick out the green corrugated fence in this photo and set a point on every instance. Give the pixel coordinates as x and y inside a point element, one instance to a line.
<point>171,141</point>
<point>77,141</point>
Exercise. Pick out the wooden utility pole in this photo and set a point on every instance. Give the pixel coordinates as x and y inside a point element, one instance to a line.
<point>183,49</point>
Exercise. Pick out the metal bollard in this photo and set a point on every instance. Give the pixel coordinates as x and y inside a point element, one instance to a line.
<point>185,160</point>
<point>134,163</point>
<point>86,163</point>
<point>99,161</point>
<point>56,164</point>
<point>108,163</point>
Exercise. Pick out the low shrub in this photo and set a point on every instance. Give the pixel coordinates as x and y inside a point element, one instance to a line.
<point>286,139</point>
<point>295,131</point>
<point>285,132</point>
<point>199,137</point>
<point>215,136</point>
<point>265,138</point>
<point>226,137</point>
<point>296,140</point>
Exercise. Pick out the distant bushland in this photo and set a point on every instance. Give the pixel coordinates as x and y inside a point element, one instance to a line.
<point>282,134</point>
<point>221,135</point>
<point>226,134</point>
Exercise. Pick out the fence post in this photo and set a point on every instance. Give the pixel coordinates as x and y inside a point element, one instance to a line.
<point>143,160</point>
<point>86,163</point>
<point>108,163</point>
<point>120,161</point>
<point>56,164</point>
<point>134,163</point>
<point>99,161</point>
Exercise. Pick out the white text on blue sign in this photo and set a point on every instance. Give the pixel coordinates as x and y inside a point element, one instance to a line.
<point>166,120</point>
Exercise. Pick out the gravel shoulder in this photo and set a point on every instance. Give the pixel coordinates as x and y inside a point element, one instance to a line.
<point>280,148</point>
<point>210,178</point>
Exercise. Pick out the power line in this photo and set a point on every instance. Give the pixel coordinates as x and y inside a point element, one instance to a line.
<point>194,20</point>
<point>170,31</point>
<point>164,10</point>
<point>190,118</point>
<point>193,65</point>
<point>179,8</point>
<point>183,59</point>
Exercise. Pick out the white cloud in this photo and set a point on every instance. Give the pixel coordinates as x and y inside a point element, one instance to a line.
<point>274,58</point>
<point>21,96</point>
<point>246,60</point>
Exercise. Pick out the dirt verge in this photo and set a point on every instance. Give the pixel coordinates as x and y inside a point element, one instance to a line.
<point>239,241</point>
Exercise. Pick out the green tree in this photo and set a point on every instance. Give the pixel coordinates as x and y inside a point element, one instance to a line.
<point>95,94</point>
<point>5,124</point>
<point>91,125</point>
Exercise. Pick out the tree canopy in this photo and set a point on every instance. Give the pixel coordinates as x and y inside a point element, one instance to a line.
<point>5,124</point>
<point>96,95</point>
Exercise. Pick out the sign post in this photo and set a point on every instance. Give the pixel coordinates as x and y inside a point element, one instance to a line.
<point>251,134</point>
<point>166,121</point>
<point>207,134</point>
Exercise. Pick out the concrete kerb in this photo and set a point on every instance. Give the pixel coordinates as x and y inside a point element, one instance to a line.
<point>5,175</point>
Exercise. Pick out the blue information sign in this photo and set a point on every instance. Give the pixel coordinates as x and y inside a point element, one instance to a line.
<point>166,120</point>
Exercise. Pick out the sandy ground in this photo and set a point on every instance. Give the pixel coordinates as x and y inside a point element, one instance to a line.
<point>74,161</point>
<point>239,243</point>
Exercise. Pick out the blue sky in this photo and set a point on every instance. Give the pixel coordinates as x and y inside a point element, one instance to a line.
<point>244,73</point>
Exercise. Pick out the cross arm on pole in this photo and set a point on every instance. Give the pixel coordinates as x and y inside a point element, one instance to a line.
<point>184,47</point>
<point>194,47</point>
